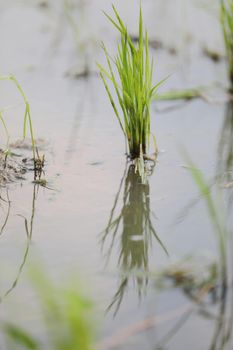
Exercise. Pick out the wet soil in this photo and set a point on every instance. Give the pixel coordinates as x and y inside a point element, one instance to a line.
<point>12,168</point>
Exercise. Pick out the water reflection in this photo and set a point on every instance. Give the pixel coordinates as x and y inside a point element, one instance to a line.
<point>224,167</point>
<point>222,337</point>
<point>225,150</point>
<point>73,28</point>
<point>211,300</point>
<point>28,225</point>
<point>130,227</point>
<point>6,217</point>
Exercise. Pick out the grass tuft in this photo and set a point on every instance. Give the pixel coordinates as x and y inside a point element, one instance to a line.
<point>130,73</point>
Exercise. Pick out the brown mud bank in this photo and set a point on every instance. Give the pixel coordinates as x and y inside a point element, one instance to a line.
<point>17,163</point>
<point>12,167</point>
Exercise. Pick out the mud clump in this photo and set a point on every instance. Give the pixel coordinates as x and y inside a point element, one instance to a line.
<point>12,168</point>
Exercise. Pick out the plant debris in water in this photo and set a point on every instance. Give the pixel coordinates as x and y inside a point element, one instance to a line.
<point>214,55</point>
<point>191,275</point>
<point>156,44</point>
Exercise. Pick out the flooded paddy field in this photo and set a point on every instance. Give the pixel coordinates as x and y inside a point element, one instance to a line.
<point>148,255</point>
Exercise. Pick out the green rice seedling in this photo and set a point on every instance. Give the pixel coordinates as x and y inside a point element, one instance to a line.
<point>225,148</point>
<point>227,25</point>
<point>66,319</point>
<point>38,162</point>
<point>27,113</point>
<point>211,281</point>
<point>216,215</point>
<point>132,83</point>
<point>5,129</point>
<point>184,94</point>
<point>187,94</point>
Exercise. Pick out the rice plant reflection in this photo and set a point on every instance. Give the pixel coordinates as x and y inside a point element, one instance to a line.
<point>134,230</point>
<point>28,224</point>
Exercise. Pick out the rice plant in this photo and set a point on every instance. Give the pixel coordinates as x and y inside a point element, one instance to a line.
<point>216,214</point>
<point>227,25</point>
<point>217,282</point>
<point>38,161</point>
<point>132,83</point>
<point>66,319</point>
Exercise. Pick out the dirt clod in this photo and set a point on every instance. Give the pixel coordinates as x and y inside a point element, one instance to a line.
<point>11,168</point>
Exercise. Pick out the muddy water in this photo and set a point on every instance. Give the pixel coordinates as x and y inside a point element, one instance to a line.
<point>95,217</point>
